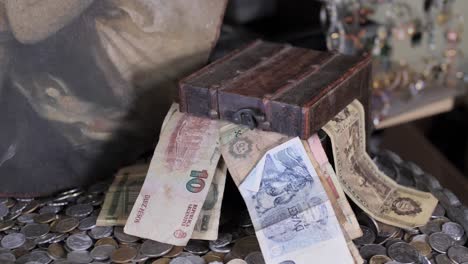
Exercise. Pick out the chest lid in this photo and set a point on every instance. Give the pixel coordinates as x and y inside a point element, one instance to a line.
<point>276,87</point>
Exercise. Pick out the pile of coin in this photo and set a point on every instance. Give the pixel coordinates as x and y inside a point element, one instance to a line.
<point>62,229</point>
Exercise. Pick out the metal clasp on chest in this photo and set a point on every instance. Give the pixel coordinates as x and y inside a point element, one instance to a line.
<point>251,118</point>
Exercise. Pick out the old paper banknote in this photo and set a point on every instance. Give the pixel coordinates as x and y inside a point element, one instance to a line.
<point>292,215</point>
<point>369,188</point>
<point>328,177</point>
<point>178,180</point>
<point>242,148</point>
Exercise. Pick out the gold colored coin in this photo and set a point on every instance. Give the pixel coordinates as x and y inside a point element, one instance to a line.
<point>18,252</point>
<point>212,258</point>
<point>107,241</point>
<point>124,254</point>
<point>56,251</point>
<point>45,218</point>
<point>422,247</point>
<point>175,251</point>
<point>5,225</point>
<point>31,207</point>
<point>65,225</point>
<point>162,261</point>
<point>379,259</point>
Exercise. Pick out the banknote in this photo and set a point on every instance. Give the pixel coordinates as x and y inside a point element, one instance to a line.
<point>291,213</point>
<point>242,148</point>
<point>122,195</point>
<point>207,225</point>
<point>374,192</point>
<point>327,174</point>
<point>340,215</point>
<point>178,180</point>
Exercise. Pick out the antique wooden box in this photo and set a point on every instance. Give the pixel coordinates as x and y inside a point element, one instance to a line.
<point>277,87</point>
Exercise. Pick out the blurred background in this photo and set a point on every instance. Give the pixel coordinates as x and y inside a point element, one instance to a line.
<point>420,66</point>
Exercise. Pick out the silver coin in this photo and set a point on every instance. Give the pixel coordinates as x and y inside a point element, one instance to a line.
<point>7,256</point>
<point>79,210</point>
<point>255,258</point>
<point>99,187</point>
<point>45,239</point>
<point>195,259</point>
<point>452,198</point>
<point>433,226</point>
<point>441,242</point>
<point>439,211</point>
<point>99,232</point>
<point>35,230</point>
<point>79,257</point>
<point>78,242</point>
<point>87,223</point>
<point>122,237</point>
<point>197,247</point>
<point>226,249</point>
<point>403,252</point>
<point>50,209</point>
<point>368,251</point>
<point>3,210</point>
<point>241,261</point>
<point>40,256</point>
<point>18,207</point>
<point>458,254</point>
<point>368,236</point>
<point>454,230</point>
<point>13,240</point>
<point>443,259</point>
<point>140,257</point>
<point>153,249</point>
<point>224,239</point>
<point>180,260</point>
<point>102,252</point>
<point>59,238</point>
<point>27,218</point>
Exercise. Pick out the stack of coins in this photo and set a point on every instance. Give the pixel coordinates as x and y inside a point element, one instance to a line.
<point>62,229</point>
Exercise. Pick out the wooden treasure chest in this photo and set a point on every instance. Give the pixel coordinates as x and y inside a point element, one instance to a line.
<point>277,87</point>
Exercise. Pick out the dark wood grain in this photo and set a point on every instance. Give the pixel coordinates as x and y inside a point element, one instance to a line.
<point>295,91</point>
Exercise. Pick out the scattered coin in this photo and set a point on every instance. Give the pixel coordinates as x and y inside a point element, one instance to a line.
<point>174,252</point>
<point>56,251</point>
<point>100,232</point>
<point>255,258</point>
<point>367,251</point>
<point>379,259</point>
<point>441,242</point>
<point>79,242</point>
<point>79,210</point>
<point>454,230</point>
<point>107,241</point>
<point>122,237</point>
<point>79,257</point>
<point>45,218</point>
<point>241,261</point>
<point>35,230</point>
<point>198,247</point>
<point>224,239</point>
<point>422,247</point>
<point>123,254</point>
<point>368,236</point>
<point>458,254</point>
<point>13,240</point>
<point>403,252</point>
<point>87,223</point>
<point>102,252</point>
<point>155,249</point>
